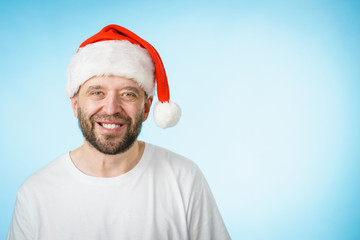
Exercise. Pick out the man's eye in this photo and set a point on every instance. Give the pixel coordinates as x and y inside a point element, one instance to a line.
<point>129,94</point>
<point>97,93</point>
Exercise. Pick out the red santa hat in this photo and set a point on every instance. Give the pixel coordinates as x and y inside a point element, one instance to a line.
<point>117,51</point>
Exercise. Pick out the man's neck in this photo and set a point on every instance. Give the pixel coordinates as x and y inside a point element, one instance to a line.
<point>94,163</point>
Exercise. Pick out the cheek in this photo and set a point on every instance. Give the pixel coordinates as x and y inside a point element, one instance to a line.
<point>130,109</point>
<point>89,109</point>
<point>140,110</point>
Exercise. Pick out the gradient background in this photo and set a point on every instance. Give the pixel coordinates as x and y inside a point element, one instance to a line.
<point>269,92</point>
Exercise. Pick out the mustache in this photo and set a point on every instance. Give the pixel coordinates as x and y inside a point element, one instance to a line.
<point>117,117</point>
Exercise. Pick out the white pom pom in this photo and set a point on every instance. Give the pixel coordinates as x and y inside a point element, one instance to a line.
<point>166,114</point>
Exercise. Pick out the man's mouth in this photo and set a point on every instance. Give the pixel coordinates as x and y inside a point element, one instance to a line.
<point>110,125</point>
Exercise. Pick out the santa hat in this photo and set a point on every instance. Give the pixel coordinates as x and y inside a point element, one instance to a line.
<point>117,51</point>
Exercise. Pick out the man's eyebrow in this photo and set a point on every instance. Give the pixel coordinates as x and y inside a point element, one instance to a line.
<point>97,87</point>
<point>91,88</point>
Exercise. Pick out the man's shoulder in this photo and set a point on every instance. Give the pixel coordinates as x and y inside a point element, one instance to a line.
<point>166,158</point>
<point>44,174</point>
<point>163,154</point>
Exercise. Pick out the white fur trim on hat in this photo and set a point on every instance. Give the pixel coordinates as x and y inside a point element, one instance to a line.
<point>166,114</point>
<point>114,57</point>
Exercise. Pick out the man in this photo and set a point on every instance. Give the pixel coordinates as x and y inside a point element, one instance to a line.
<point>114,186</point>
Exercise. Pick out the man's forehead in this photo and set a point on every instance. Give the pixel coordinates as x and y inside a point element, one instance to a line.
<point>110,82</point>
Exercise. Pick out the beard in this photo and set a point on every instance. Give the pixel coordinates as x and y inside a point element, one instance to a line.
<point>111,144</point>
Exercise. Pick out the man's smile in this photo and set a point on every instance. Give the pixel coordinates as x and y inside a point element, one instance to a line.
<point>111,127</point>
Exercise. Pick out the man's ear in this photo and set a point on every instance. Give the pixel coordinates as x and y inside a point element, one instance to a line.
<point>74,104</point>
<point>147,106</point>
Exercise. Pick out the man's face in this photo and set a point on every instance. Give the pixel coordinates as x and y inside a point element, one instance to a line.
<point>110,111</point>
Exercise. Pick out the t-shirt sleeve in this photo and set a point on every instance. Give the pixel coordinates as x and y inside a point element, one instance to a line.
<point>204,219</point>
<point>21,225</point>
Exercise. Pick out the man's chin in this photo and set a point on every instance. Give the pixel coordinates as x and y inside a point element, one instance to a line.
<point>108,148</point>
<point>112,145</point>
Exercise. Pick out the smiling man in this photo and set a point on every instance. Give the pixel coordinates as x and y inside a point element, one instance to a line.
<point>115,186</point>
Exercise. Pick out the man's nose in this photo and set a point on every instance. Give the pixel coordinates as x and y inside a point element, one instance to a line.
<point>112,104</point>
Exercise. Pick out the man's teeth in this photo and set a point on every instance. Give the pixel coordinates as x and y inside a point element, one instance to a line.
<point>110,126</point>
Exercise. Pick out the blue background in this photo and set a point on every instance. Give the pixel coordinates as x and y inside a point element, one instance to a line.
<point>269,92</point>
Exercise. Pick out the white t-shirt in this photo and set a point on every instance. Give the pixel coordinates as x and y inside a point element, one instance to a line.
<point>165,196</point>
